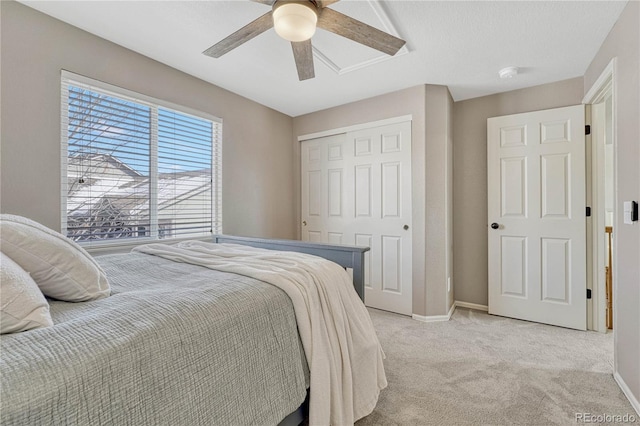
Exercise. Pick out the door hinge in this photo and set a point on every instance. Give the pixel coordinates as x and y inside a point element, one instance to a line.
<point>588,293</point>
<point>587,129</point>
<point>588,211</point>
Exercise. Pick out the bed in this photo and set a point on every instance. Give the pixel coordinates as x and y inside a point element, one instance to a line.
<point>175,343</point>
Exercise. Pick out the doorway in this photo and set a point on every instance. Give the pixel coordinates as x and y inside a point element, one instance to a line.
<point>601,196</point>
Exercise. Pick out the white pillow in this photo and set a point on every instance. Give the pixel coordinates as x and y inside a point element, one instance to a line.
<point>22,305</point>
<point>62,269</point>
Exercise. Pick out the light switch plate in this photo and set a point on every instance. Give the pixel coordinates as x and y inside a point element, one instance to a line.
<point>630,212</point>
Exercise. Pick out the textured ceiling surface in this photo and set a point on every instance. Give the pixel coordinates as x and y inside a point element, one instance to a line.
<point>458,44</point>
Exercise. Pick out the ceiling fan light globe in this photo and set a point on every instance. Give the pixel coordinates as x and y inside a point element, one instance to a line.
<point>295,21</point>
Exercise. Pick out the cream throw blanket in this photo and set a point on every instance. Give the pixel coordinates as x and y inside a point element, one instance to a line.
<point>341,346</point>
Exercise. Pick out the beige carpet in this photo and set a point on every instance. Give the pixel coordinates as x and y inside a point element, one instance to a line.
<point>478,369</point>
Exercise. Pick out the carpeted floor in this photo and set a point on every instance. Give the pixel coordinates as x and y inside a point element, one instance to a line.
<point>478,369</point>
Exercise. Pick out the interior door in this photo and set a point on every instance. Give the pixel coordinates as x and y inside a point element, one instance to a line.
<point>356,190</point>
<point>536,212</point>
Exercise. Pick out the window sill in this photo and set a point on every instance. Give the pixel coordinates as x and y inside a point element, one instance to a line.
<point>98,249</point>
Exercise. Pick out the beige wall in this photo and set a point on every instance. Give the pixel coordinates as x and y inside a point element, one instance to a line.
<point>449,243</point>
<point>429,155</point>
<point>257,173</point>
<point>438,165</point>
<point>623,42</point>
<point>470,222</point>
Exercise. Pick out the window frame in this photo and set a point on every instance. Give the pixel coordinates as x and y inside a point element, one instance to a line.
<point>69,78</point>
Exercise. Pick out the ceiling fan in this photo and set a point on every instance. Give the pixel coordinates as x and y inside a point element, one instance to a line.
<point>296,21</point>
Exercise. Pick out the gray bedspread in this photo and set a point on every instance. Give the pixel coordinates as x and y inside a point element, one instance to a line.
<point>175,344</point>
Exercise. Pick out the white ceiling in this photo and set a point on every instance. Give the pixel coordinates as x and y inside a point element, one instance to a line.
<point>458,44</point>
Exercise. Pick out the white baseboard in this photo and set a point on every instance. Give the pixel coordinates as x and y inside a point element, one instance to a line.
<point>475,306</point>
<point>627,392</point>
<point>435,318</point>
<point>447,317</point>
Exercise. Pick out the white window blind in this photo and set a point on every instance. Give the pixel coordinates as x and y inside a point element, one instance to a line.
<point>136,168</point>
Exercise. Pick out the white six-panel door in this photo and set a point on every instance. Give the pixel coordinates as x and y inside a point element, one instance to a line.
<point>536,208</point>
<point>356,190</point>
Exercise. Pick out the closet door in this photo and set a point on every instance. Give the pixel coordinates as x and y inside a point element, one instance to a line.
<point>324,215</point>
<point>356,190</point>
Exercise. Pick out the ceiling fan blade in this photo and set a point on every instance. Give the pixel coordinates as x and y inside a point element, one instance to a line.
<point>325,3</point>
<point>358,31</point>
<point>267,2</point>
<point>241,36</point>
<point>303,54</point>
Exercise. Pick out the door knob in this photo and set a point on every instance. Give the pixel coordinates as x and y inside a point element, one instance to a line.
<point>495,226</point>
<point>405,227</point>
<point>304,223</point>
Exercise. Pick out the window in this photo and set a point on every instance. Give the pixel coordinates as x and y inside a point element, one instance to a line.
<point>135,167</point>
